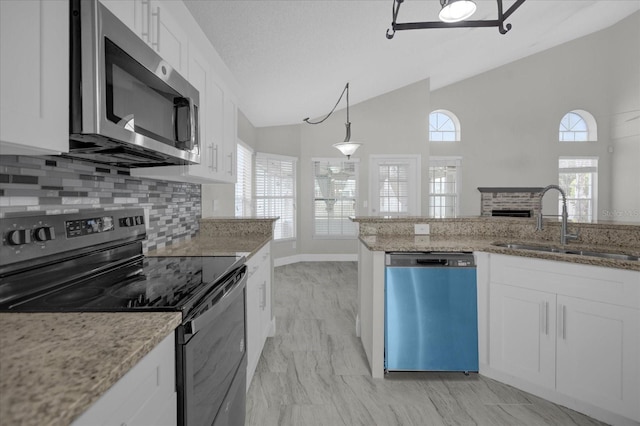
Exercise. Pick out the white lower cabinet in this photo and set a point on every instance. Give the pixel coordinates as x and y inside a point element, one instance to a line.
<point>259,317</point>
<point>571,331</point>
<point>522,338</point>
<point>145,395</point>
<point>597,354</point>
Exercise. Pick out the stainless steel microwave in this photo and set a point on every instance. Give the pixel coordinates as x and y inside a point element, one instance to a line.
<point>128,106</point>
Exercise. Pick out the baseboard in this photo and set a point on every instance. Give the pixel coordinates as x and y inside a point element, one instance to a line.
<point>329,257</point>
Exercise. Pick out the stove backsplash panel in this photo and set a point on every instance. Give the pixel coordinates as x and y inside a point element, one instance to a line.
<point>52,184</point>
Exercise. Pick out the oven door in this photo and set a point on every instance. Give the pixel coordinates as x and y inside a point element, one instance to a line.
<point>211,353</point>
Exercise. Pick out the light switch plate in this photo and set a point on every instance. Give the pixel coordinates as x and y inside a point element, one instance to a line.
<point>421,229</point>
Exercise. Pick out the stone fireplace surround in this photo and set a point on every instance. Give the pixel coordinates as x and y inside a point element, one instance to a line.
<point>509,198</point>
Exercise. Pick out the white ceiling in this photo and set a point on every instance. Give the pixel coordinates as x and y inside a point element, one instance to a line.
<point>292,58</point>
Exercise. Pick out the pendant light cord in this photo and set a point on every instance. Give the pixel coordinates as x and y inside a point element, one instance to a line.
<point>346,89</point>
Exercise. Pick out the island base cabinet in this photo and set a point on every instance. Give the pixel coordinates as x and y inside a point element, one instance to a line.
<point>522,338</point>
<point>597,354</point>
<point>568,333</point>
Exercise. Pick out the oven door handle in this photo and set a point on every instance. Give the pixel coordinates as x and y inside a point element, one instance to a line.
<point>213,306</point>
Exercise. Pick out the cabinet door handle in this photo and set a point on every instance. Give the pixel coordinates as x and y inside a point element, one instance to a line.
<point>562,321</point>
<point>263,301</point>
<point>231,161</point>
<point>143,33</point>
<point>214,162</point>
<point>156,44</point>
<point>544,317</point>
<point>210,149</point>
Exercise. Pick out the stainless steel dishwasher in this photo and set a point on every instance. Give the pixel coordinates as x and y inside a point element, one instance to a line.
<point>431,314</point>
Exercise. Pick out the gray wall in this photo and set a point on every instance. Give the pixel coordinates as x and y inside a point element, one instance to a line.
<point>509,118</point>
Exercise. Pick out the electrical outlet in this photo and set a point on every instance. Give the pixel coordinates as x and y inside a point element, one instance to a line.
<point>421,229</point>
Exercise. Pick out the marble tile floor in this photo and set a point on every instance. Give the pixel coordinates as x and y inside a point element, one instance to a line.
<point>314,372</point>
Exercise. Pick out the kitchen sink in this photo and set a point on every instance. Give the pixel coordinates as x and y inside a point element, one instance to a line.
<point>546,249</point>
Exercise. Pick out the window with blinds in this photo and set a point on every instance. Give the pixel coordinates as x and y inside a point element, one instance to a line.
<point>393,186</point>
<point>244,182</point>
<point>444,187</point>
<point>335,197</point>
<point>275,192</point>
<point>578,177</point>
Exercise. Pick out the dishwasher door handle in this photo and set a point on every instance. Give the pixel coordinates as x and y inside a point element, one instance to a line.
<point>431,261</point>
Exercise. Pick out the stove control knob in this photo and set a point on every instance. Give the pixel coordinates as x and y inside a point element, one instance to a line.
<point>44,233</point>
<point>18,237</point>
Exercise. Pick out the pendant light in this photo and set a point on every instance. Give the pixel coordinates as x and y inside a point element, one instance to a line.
<point>456,10</point>
<point>454,14</point>
<point>347,147</point>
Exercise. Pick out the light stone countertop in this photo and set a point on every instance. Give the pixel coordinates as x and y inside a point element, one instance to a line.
<point>422,243</point>
<point>246,245</point>
<point>53,366</point>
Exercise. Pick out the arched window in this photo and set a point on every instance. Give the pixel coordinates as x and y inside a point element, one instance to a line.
<point>578,126</point>
<point>443,126</point>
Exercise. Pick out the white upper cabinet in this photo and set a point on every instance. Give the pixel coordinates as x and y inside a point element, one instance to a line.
<point>154,23</point>
<point>130,13</point>
<point>169,38</point>
<point>34,77</point>
<point>217,127</point>
<point>217,110</point>
<point>230,139</point>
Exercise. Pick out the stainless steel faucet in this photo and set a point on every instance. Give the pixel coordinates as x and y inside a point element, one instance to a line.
<point>564,235</point>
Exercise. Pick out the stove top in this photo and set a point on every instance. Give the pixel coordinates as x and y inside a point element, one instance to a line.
<point>93,261</point>
<point>154,283</point>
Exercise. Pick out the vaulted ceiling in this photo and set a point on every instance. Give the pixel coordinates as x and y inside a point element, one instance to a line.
<point>292,58</point>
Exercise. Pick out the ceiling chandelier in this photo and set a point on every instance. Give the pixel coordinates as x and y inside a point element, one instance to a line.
<point>347,147</point>
<point>453,15</point>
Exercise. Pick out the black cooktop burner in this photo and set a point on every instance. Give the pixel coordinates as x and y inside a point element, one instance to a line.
<point>156,283</point>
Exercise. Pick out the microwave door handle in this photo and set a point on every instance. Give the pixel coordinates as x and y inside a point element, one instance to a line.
<point>193,124</point>
<point>185,124</point>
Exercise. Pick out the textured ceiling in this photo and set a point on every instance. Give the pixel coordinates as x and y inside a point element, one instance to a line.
<point>291,58</point>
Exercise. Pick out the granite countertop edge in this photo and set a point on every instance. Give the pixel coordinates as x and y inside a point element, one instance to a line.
<point>54,366</point>
<point>420,243</point>
<point>28,399</point>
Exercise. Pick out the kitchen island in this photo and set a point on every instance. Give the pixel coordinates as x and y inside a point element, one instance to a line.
<point>601,295</point>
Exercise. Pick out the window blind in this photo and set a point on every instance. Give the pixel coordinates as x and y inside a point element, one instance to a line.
<point>244,182</point>
<point>335,197</point>
<point>444,187</point>
<point>275,192</point>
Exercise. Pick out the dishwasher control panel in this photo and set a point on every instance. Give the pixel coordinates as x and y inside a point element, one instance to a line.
<point>431,259</point>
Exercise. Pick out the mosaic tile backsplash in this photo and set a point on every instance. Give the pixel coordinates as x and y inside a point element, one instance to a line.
<point>52,185</point>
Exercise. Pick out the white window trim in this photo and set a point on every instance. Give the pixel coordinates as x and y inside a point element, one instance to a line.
<point>456,123</point>
<point>594,213</point>
<point>374,161</point>
<point>592,126</point>
<point>449,159</point>
<point>333,236</point>
<point>266,155</point>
